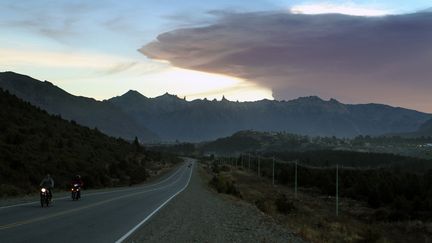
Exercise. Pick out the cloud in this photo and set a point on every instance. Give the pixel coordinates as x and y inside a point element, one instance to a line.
<point>120,67</point>
<point>348,9</point>
<point>356,59</point>
<point>64,59</point>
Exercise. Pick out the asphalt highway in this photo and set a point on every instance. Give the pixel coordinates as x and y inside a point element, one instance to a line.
<point>108,216</point>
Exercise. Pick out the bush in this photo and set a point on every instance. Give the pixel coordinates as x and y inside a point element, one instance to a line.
<point>225,168</point>
<point>264,204</point>
<point>381,214</point>
<point>371,235</point>
<point>283,205</point>
<point>138,175</point>
<point>225,185</point>
<point>8,190</point>
<point>215,169</point>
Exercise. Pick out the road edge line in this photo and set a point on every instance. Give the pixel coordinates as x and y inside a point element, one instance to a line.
<point>130,232</point>
<point>92,194</point>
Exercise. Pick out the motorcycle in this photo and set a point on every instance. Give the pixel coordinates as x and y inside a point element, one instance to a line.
<point>45,197</point>
<point>76,192</point>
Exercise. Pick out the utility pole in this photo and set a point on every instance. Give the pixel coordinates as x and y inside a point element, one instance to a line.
<point>259,164</point>
<point>273,170</point>
<point>337,190</point>
<point>249,161</point>
<point>295,180</point>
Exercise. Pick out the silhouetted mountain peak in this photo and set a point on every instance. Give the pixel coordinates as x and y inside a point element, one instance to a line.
<point>334,101</point>
<point>308,99</point>
<point>315,100</point>
<point>132,92</point>
<point>168,97</point>
<point>134,95</point>
<point>223,98</point>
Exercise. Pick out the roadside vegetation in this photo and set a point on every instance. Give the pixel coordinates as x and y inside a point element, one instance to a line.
<point>396,213</point>
<point>262,142</point>
<point>34,143</point>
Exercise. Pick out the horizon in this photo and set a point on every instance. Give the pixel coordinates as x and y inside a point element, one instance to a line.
<point>215,99</point>
<point>94,50</point>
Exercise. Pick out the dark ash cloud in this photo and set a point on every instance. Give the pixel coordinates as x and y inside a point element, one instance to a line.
<point>356,59</point>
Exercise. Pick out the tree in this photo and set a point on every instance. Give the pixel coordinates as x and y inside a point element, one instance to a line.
<point>137,145</point>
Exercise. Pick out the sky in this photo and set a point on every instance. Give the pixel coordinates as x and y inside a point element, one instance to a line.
<point>354,51</point>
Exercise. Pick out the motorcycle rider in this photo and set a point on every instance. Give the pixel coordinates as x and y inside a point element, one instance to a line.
<point>77,180</point>
<point>48,183</point>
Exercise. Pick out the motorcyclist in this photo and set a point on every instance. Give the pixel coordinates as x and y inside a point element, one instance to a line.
<point>77,180</point>
<point>48,183</point>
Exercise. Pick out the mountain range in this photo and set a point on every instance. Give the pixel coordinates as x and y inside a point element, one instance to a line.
<point>170,118</point>
<point>174,118</point>
<point>85,111</point>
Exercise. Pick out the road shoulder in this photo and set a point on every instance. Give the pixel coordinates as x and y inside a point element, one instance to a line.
<point>201,215</point>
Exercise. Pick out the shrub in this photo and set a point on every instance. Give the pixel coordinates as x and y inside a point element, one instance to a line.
<point>8,190</point>
<point>371,235</point>
<point>381,214</point>
<point>264,204</point>
<point>225,185</point>
<point>225,168</point>
<point>283,205</point>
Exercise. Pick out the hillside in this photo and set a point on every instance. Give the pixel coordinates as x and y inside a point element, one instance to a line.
<point>426,129</point>
<point>173,118</point>
<point>270,142</point>
<point>33,143</point>
<point>85,111</point>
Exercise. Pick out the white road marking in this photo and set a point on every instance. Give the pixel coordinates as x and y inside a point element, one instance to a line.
<point>130,232</point>
<point>96,193</point>
<point>12,225</point>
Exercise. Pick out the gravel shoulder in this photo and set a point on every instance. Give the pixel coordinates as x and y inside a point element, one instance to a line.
<point>199,214</point>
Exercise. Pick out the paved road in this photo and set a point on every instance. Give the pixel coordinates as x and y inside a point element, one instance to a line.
<point>99,217</point>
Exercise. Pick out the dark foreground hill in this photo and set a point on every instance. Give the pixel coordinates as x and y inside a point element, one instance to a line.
<point>173,118</point>
<point>85,111</point>
<point>33,143</point>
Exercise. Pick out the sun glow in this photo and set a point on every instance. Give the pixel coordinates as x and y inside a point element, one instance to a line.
<point>104,76</point>
<point>198,85</point>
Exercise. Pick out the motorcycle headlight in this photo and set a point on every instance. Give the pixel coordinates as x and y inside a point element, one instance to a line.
<point>43,190</point>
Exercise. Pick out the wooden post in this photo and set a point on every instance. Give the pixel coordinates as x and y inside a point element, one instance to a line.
<point>259,164</point>
<point>273,171</point>
<point>295,180</point>
<point>337,190</point>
